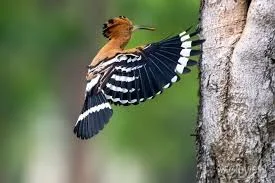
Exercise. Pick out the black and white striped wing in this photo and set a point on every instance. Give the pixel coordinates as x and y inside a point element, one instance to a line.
<point>95,113</point>
<point>142,75</point>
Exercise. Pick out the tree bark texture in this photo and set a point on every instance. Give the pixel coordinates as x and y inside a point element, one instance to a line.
<point>236,125</point>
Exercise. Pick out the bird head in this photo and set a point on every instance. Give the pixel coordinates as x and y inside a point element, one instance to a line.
<point>121,26</point>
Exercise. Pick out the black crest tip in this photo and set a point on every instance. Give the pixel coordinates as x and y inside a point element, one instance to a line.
<point>105,26</point>
<point>111,21</point>
<point>122,17</point>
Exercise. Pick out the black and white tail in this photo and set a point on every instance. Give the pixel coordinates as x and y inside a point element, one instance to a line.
<point>95,113</point>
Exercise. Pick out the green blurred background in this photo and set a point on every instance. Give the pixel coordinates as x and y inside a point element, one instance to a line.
<point>45,46</point>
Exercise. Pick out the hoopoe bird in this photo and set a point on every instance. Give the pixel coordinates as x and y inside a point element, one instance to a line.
<point>130,76</point>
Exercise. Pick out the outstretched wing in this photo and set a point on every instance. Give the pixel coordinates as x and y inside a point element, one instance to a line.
<point>143,74</point>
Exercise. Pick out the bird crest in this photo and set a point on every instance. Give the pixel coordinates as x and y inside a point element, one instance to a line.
<point>115,26</point>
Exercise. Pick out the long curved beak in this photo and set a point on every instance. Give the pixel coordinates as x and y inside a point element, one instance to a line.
<point>138,27</point>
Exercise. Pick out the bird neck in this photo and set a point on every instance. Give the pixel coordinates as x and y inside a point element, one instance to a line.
<point>111,48</point>
<point>119,42</point>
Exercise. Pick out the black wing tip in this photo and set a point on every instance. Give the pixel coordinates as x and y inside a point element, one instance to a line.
<point>79,133</point>
<point>87,132</point>
<point>196,32</point>
<point>195,52</point>
<point>90,124</point>
<point>197,42</point>
<point>186,70</point>
<point>191,62</point>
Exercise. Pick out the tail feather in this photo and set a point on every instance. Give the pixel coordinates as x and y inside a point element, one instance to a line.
<point>95,113</point>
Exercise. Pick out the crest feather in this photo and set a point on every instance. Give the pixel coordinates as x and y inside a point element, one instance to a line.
<point>111,25</point>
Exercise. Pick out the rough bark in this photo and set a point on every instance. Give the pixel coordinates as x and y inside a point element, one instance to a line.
<point>236,126</point>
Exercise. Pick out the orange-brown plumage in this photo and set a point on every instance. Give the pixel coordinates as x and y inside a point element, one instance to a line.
<point>119,31</point>
<point>119,27</point>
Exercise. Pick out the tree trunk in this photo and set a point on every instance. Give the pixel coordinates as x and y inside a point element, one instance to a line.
<point>236,126</point>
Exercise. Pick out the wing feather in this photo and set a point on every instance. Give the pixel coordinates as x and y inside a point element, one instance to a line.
<point>143,74</point>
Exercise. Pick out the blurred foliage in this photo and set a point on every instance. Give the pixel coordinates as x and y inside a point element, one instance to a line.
<point>36,39</point>
<point>33,36</point>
